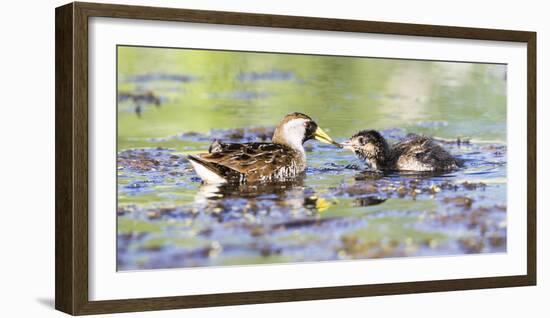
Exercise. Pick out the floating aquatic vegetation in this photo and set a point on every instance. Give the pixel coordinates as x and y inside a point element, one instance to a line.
<point>262,134</point>
<point>140,100</point>
<point>146,97</point>
<point>337,211</point>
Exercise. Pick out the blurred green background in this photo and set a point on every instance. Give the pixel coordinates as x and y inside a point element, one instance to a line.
<point>220,89</point>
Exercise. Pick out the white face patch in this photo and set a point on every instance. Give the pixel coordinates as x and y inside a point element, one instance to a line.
<point>294,132</point>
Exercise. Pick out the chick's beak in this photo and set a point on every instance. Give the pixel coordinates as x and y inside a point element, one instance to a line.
<point>348,145</point>
<point>322,136</point>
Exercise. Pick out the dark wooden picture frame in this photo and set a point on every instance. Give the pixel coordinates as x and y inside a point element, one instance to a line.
<point>71,221</point>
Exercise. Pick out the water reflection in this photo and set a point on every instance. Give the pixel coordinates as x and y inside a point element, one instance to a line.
<point>227,201</point>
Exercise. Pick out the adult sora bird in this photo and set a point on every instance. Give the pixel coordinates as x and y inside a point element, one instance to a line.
<point>282,159</point>
<point>417,153</point>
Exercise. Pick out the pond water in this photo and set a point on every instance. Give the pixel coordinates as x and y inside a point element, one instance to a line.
<point>174,102</point>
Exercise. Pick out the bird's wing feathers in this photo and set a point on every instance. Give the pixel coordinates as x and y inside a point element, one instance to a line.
<point>252,159</point>
<point>415,146</point>
<point>426,151</point>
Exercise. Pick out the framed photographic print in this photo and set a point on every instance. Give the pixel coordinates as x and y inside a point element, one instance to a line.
<point>219,158</point>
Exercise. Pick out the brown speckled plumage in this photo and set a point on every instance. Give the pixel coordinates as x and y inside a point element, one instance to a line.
<point>252,161</point>
<point>417,153</point>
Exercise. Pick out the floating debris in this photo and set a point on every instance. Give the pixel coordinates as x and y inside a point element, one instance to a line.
<point>368,201</point>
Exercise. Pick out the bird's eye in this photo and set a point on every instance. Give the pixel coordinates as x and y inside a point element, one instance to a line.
<point>361,140</point>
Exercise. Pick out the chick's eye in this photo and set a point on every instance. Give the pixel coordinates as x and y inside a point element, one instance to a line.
<point>361,140</point>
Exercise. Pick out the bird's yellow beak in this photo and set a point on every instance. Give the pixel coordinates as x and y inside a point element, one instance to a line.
<point>322,136</point>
